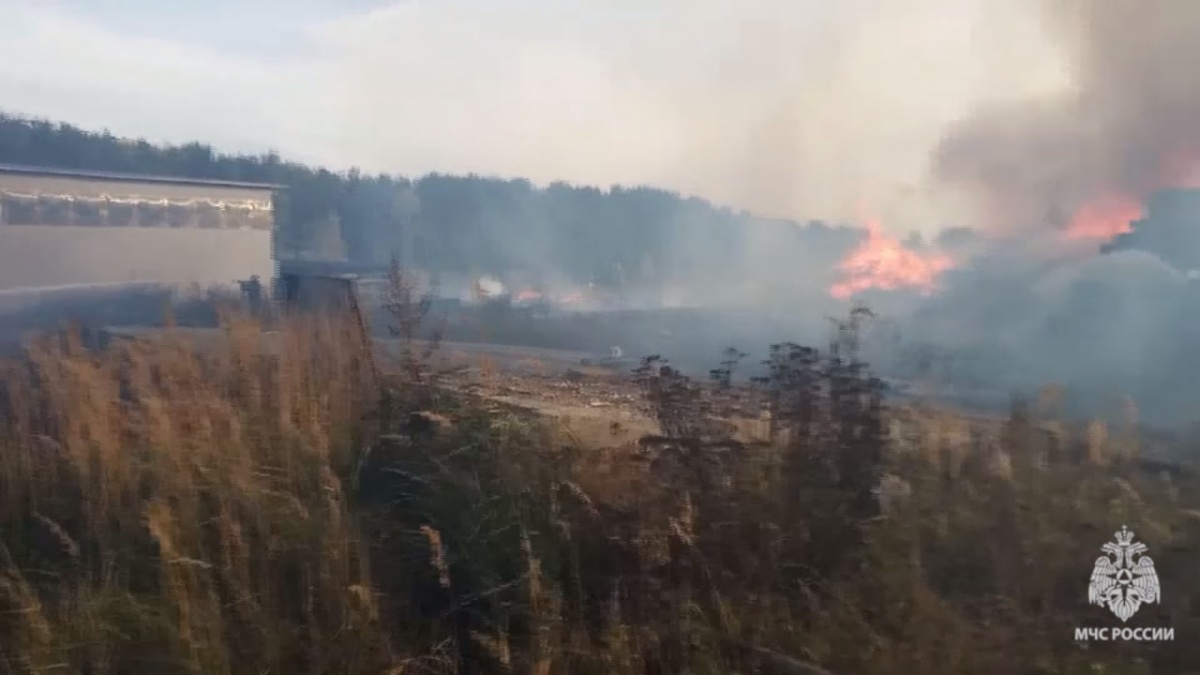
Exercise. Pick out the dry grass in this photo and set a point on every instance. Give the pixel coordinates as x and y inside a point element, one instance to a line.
<point>239,509</point>
<point>167,509</point>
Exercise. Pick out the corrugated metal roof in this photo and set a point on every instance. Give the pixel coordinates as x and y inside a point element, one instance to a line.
<point>131,178</point>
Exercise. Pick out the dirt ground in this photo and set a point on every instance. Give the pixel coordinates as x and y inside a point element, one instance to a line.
<point>598,406</point>
<point>602,407</point>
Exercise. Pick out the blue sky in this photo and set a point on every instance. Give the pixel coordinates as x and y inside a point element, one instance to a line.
<point>787,107</point>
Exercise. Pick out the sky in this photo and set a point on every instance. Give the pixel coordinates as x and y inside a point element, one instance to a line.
<point>794,108</point>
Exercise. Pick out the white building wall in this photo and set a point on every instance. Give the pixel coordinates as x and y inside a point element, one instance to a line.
<point>33,256</point>
<point>176,237</point>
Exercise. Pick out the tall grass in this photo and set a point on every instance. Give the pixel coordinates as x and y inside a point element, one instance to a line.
<point>167,508</point>
<point>263,504</point>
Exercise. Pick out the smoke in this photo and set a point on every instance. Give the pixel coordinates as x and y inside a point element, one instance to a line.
<point>1031,303</point>
<point>789,108</point>
<point>1024,313</point>
<point>490,287</point>
<point>1034,109</point>
<point>1124,126</point>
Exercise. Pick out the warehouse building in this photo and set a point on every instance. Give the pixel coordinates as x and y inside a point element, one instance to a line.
<point>60,229</point>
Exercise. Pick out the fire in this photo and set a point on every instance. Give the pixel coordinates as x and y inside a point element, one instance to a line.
<point>1104,218</point>
<point>882,262</point>
<point>1112,214</point>
<point>527,295</point>
<point>486,287</point>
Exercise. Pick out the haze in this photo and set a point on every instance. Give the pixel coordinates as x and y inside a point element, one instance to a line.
<point>791,108</point>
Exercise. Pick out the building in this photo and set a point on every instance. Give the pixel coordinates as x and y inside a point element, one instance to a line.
<point>60,229</point>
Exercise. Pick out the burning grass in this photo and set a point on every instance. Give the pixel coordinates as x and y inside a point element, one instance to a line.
<point>237,509</point>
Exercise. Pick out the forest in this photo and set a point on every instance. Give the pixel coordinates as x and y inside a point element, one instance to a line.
<point>460,224</point>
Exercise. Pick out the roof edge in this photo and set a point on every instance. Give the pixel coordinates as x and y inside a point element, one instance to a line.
<point>51,172</point>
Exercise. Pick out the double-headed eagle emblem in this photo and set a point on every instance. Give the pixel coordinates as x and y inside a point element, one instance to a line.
<point>1123,579</point>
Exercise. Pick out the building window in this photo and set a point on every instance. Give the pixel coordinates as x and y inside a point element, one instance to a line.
<point>19,210</point>
<point>181,215</point>
<point>208,216</point>
<point>133,211</point>
<point>121,214</point>
<point>151,214</point>
<point>53,210</point>
<point>88,213</point>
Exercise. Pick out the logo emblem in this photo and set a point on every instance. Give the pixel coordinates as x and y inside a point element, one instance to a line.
<point>1123,579</point>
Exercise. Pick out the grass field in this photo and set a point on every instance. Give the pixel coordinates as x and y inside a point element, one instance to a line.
<point>296,504</point>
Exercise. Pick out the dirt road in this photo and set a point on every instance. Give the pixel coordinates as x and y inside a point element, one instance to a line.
<point>506,358</point>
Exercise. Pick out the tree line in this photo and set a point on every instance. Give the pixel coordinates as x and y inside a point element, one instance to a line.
<point>455,224</point>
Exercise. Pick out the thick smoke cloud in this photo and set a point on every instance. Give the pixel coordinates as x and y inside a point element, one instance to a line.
<point>792,108</point>
<point>1107,326</point>
<point>1124,127</point>
<point>1030,306</point>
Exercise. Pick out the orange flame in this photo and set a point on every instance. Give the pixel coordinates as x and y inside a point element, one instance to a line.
<point>527,295</point>
<point>1104,218</point>
<point>1113,214</point>
<point>881,262</point>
